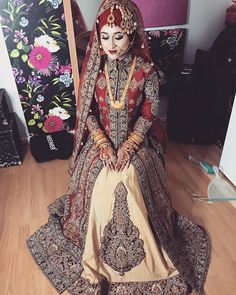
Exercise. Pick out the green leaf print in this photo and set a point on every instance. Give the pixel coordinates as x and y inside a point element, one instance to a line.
<point>14,53</point>
<point>31,122</point>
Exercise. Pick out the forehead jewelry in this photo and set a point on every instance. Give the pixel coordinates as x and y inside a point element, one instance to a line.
<point>111,19</point>
<point>128,25</point>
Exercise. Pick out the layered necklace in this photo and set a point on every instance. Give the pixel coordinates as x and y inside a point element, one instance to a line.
<point>119,104</point>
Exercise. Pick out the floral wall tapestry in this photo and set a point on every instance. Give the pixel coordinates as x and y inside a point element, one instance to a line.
<point>35,35</point>
<point>167,48</point>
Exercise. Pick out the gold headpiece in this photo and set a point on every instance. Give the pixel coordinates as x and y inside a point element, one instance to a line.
<point>128,25</point>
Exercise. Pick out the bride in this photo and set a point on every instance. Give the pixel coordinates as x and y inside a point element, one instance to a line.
<point>115,231</point>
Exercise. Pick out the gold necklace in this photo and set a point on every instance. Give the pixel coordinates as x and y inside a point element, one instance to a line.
<point>119,104</point>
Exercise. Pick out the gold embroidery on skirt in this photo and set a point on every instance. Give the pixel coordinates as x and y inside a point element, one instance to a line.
<point>121,247</point>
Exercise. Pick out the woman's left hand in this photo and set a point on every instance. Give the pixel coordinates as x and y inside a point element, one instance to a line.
<point>123,158</point>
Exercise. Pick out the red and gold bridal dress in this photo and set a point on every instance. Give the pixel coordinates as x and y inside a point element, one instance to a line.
<point>116,232</point>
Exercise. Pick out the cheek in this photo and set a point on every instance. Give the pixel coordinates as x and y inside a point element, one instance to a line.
<point>124,44</point>
<point>103,43</point>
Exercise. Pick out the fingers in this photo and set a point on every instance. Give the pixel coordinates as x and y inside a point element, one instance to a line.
<point>109,165</point>
<point>108,162</point>
<point>112,163</point>
<point>118,166</point>
<point>103,159</point>
<point>124,163</point>
<point>121,164</point>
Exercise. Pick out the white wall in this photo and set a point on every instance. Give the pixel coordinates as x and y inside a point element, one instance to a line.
<point>206,21</point>
<point>228,158</point>
<point>7,81</point>
<point>89,10</point>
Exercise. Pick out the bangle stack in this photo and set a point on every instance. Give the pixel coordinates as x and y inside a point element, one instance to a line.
<point>136,138</point>
<point>132,143</point>
<point>129,147</point>
<point>100,139</point>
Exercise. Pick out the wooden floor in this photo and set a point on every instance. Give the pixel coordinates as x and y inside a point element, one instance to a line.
<point>27,190</point>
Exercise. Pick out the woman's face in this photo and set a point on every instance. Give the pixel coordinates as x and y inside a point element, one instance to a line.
<point>114,42</point>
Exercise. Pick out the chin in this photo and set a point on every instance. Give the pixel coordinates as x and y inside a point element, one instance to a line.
<point>113,56</point>
<point>116,56</point>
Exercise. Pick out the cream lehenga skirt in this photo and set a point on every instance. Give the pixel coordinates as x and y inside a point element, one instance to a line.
<point>131,241</point>
<point>120,246</point>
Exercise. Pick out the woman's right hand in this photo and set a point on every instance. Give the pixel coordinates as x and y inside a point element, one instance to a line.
<point>108,157</point>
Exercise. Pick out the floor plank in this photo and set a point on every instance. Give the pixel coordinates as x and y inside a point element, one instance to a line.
<point>27,190</point>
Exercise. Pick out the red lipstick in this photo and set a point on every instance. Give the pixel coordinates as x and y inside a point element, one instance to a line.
<point>112,51</point>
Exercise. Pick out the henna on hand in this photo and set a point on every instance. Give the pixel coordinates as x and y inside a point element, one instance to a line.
<point>124,155</point>
<point>108,157</point>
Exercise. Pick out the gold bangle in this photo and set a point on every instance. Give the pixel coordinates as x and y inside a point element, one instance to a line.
<point>98,137</point>
<point>138,134</point>
<point>105,145</point>
<point>133,140</point>
<point>134,144</point>
<point>101,141</point>
<point>96,132</point>
<point>138,137</point>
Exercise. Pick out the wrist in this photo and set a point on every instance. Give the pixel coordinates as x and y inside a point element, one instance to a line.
<point>133,142</point>
<point>136,137</point>
<point>100,139</point>
<point>129,147</point>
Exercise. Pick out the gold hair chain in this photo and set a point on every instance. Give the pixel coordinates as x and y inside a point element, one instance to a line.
<point>119,104</point>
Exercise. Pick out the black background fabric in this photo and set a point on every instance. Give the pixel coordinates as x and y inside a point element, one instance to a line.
<point>41,151</point>
<point>55,94</point>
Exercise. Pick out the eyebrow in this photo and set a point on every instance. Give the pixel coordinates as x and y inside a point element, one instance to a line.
<point>114,33</point>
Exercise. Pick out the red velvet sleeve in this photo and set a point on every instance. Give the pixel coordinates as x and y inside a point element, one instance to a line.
<point>150,104</point>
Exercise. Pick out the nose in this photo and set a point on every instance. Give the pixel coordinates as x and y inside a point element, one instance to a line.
<point>112,44</point>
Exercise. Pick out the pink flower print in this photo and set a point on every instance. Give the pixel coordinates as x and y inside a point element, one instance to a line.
<point>18,2</point>
<point>25,39</point>
<point>36,109</point>
<point>34,80</point>
<point>173,32</point>
<point>155,33</point>
<point>18,75</point>
<point>53,124</point>
<point>40,58</point>
<point>19,35</point>
<point>66,68</point>
<point>23,98</point>
<point>56,69</point>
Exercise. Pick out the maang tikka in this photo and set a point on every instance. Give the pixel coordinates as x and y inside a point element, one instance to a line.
<point>128,25</point>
